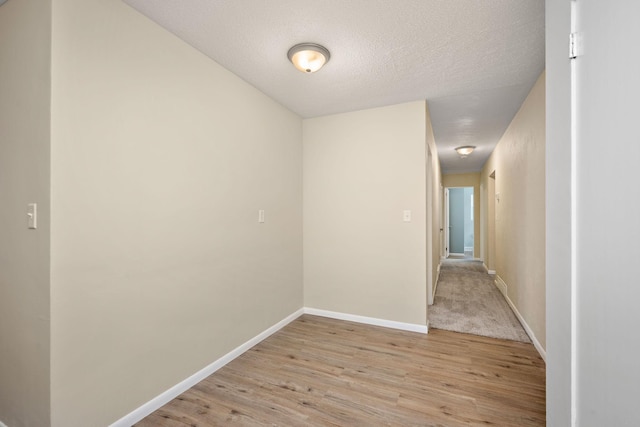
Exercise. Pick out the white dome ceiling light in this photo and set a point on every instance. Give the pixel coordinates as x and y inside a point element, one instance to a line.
<point>308,57</point>
<point>464,151</point>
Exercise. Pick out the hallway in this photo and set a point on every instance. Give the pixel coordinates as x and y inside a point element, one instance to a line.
<point>468,301</point>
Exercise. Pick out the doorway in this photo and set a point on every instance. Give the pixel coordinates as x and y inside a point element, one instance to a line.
<point>459,230</point>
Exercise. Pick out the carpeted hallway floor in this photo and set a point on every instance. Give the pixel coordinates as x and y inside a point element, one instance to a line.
<point>468,301</point>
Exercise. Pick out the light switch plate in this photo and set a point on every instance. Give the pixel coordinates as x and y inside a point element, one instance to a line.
<point>261,215</point>
<point>32,216</point>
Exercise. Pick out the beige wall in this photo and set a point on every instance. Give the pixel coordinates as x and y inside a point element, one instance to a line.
<point>160,162</point>
<point>519,164</point>
<point>25,38</point>
<point>488,226</point>
<point>361,170</point>
<point>434,215</point>
<point>468,180</point>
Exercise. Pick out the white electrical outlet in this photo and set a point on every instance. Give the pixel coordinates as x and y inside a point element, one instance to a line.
<point>406,216</point>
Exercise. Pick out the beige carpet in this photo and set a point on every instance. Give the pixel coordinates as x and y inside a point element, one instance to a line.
<point>467,301</point>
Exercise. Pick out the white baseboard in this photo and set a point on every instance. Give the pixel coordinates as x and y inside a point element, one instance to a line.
<point>164,398</point>
<point>487,268</point>
<point>176,390</point>
<point>456,253</point>
<point>424,329</point>
<point>502,286</point>
<point>435,285</point>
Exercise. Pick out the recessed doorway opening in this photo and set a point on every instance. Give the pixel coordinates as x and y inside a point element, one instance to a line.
<point>459,239</point>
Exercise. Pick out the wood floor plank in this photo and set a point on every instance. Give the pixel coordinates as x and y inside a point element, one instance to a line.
<point>325,372</point>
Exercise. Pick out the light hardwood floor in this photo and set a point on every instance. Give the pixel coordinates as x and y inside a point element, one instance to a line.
<point>325,372</point>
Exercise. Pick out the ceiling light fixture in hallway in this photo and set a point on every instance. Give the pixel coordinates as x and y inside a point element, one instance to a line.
<point>465,150</point>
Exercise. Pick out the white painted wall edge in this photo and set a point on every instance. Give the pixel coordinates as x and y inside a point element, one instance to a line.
<point>164,398</point>
<point>412,327</point>
<point>502,286</point>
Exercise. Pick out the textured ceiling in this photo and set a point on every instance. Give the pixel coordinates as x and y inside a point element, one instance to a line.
<point>473,61</point>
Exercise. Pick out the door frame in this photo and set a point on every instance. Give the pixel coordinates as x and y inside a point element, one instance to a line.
<point>446,222</point>
<point>447,234</point>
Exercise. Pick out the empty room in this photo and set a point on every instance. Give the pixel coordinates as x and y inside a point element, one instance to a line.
<point>236,213</point>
